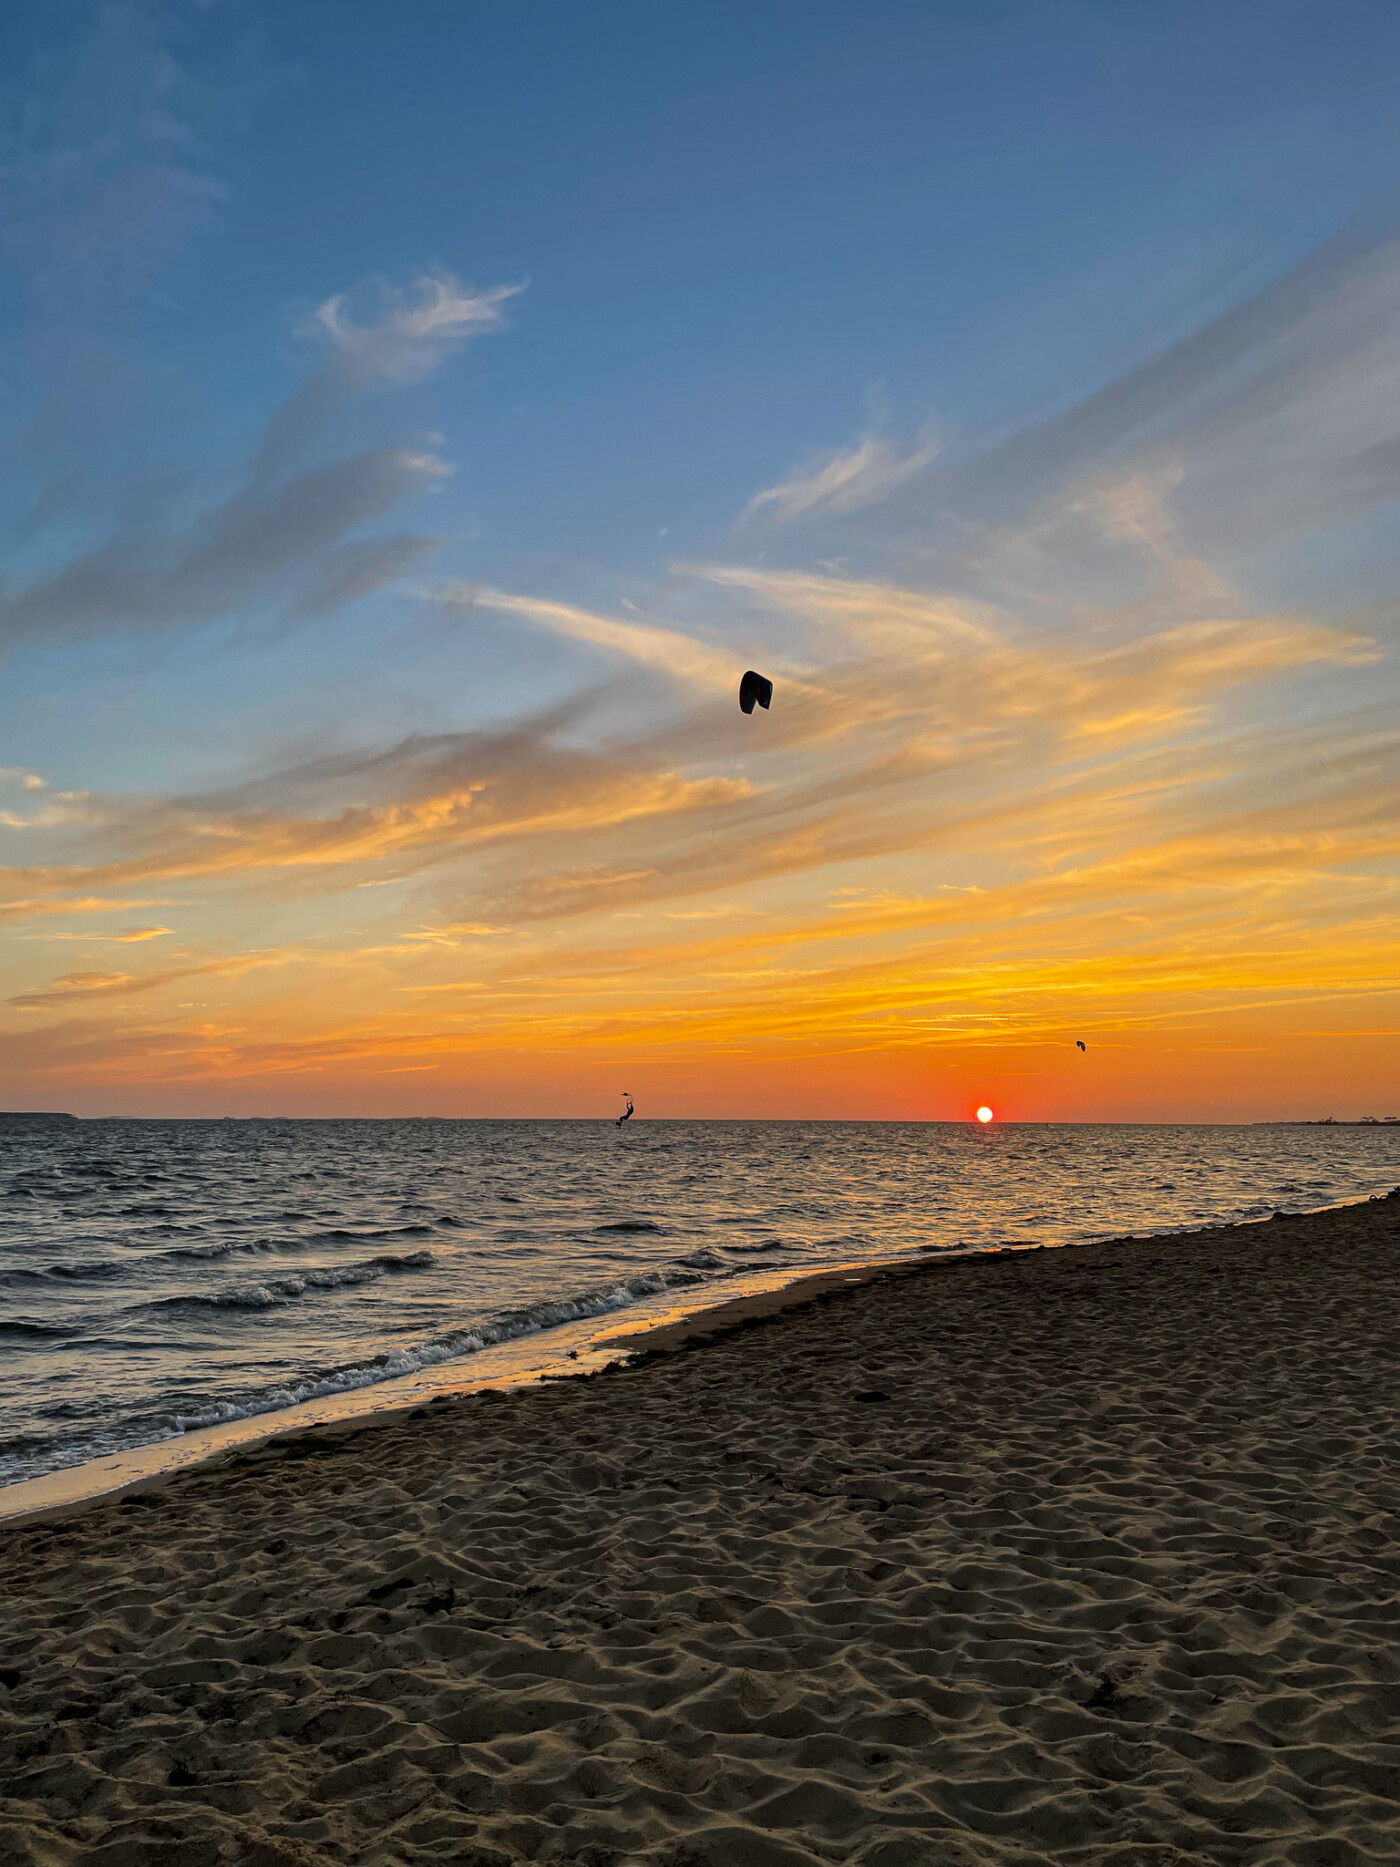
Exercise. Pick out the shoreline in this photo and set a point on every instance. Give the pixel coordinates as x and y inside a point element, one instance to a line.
<point>571,1351</point>
<point>503,1367</point>
<point>1068,1557</point>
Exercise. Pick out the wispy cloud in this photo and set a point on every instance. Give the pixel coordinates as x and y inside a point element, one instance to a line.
<point>839,482</point>
<point>117,161</point>
<point>72,988</point>
<point>401,809</point>
<point>264,545</point>
<point>876,615</point>
<point>295,538</point>
<point>929,725</point>
<point>58,906</point>
<point>129,936</point>
<point>1273,420</point>
<point>401,335</point>
<point>666,651</point>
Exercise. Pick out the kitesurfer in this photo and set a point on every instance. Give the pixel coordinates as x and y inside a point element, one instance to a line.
<point>627,1112</point>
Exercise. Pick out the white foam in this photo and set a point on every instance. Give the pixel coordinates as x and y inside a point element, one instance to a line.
<point>456,1347</point>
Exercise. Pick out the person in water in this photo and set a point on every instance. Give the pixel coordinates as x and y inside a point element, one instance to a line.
<point>627,1113</point>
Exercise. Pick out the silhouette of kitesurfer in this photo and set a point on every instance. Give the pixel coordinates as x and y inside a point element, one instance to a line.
<point>627,1112</point>
<point>1079,1044</point>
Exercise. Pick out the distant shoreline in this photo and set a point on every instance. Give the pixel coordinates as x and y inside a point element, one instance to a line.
<point>1331,1121</point>
<point>39,1117</point>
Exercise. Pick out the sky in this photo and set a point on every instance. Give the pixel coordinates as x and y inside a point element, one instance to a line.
<point>416,418</point>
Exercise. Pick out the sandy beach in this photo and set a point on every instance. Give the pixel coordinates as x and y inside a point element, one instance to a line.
<point>1083,1556</point>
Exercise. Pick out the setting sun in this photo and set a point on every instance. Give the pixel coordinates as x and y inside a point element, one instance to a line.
<point>984,1113</point>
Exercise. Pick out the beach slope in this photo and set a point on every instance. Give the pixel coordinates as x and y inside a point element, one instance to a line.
<point>1080,1556</point>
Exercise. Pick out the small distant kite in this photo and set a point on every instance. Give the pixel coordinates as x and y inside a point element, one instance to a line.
<point>1079,1044</point>
<point>754,687</point>
<point>626,1115</point>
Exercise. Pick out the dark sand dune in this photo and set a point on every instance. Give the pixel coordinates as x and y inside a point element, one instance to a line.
<point>1087,1556</point>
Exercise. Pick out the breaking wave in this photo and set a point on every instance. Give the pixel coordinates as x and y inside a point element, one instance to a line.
<point>456,1346</point>
<point>279,1290</point>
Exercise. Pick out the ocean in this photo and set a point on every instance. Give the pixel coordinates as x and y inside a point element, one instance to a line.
<point>157,1277</point>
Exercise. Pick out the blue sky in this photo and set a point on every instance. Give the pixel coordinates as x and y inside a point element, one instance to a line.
<point>321,320</point>
<point>745,234</point>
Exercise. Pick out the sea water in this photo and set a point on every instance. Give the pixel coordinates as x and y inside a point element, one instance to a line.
<point>163,1276</point>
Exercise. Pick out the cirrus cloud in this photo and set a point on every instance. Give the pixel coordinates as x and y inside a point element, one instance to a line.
<point>840,482</point>
<point>403,333</point>
<point>298,536</point>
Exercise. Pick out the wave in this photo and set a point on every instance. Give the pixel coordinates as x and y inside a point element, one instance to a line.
<point>80,1273</point>
<point>221,1250</point>
<point>225,1247</point>
<point>388,1231</point>
<point>277,1291</point>
<point>68,1273</point>
<point>458,1346</point>
<point>631,1225</point>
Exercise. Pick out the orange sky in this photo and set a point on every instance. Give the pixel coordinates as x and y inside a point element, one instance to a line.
<point>952,847</point>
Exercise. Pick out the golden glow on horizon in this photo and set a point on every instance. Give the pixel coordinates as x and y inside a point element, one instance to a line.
<point>953,845</point>
<point>984,1114</point>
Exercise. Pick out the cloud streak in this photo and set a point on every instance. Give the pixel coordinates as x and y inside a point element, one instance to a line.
<point>84,987</point>
<point>295,539</point>
<point>844,481</point>
<point>403,334</point>
<point>667,652</point>
<point>1272,421</point>
<point>942,727</point>
<point>117,163</point>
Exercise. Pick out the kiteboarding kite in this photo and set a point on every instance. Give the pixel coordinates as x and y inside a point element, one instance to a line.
<point>626,1115</point>
<point>754,687</point>
<point>1079,1044</point>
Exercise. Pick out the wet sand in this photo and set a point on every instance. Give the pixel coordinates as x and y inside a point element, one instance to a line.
<point>1078,1556</point>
